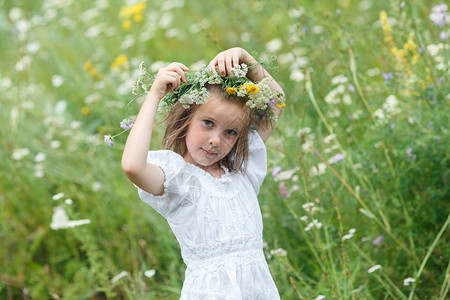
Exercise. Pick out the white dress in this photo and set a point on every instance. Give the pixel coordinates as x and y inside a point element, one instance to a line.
<point>218,223</point>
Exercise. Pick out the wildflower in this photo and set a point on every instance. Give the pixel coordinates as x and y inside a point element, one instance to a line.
<point>149,273</point>
<point>68,201</point>
<point>58,196</point>
<point>408,280</point>
<point>350,234</point>
<point>276,170</point>
<point>18,154</point>
<point>119,61</point>
<point>109,140</point>
<point>337,158</point>
<point>320,297</point>
<point>40,157</point>
<point>126,124</point>
<point>57,80</point>
<point>278,252</point>
<point>304,218</point>
<point>286,174</point>
<point>318,170</point>
<point>132,12</point>
<point>443,36</point>
<point>387,76</point>
<point>96,186</point>
<point>231,91</point>
<point>119,276</point>
<point>274,45</point>
<point>409,153</point>
<point>378,240</point>
<point>60,220</point>
<point>439,15</point>
<point>283,191</point>
<point>85,110</point>
<point>315,224</point>
<point>374,268</point>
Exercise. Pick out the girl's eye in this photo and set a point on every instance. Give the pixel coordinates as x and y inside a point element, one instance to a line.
<point>231,132</point>
<point>208,123</point>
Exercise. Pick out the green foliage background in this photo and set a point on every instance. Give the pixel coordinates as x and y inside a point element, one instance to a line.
<point>333,57</point>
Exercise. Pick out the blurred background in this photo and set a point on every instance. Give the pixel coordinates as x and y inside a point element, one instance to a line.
<point>355,203</point>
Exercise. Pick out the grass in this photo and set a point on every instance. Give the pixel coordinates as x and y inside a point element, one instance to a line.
<point>364,138</point>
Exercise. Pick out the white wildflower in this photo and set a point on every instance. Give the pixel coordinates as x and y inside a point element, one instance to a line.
<point>315,224</point>
<point>68,201</point>
<point>58,196</point>
<point>40,157</point>
<point>304,218</point>
<point>339,79</point>
<point>150,273</point>
<point>320,297</point>
<point>278,252</point>
<point>60,220</point>
<point>57,80</point>
<point>408,280</point>
<point>318,170</point>
<point>285,175</point>
<point>274,45</point>
<point>18,154</point>
<point>329,138</point>
<point>374,268</point>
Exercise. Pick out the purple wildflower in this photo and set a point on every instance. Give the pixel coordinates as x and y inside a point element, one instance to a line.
<point>387,76</point>
<point>351,88</point>
<point>109,140</point>
<point>337,158</point>
<point>409,153</point>
<point>443,36</point>
<point>338,12</point>
<point>378,240</point>
<point>283,191</point>
<point>271,103</point>
<point>276,170</point>
<point>126,124</point>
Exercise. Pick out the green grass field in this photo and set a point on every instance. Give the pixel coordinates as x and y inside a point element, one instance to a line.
<point>356,200</point>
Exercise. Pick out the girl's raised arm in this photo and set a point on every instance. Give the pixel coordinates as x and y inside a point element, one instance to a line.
<point>147,176</point>
<point>227,59</point>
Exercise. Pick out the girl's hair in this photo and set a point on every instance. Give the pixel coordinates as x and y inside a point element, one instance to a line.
<point>179,118</point>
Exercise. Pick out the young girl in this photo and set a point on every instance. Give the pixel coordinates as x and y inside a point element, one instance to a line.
<point>207,186</point>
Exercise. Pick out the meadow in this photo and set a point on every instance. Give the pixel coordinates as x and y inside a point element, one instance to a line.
<point>356,199</point>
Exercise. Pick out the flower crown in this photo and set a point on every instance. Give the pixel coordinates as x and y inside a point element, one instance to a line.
<point>261,98</point>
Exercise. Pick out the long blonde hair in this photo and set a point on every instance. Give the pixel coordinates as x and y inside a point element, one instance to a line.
<point>178,120</point>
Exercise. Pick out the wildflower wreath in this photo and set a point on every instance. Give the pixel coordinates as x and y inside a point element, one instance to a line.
<point>260,97</point>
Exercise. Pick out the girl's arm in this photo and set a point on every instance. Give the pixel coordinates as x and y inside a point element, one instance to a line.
<point>147,176</point>
<point>229,58</point>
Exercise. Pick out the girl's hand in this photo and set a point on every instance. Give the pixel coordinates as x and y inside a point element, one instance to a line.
<point>227,59</point>
<point>168,79</point>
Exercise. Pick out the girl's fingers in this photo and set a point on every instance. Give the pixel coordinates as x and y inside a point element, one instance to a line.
<point>221,65</point>
<point>235,61</point>
<point>229,66</point>
<point>213,64</point>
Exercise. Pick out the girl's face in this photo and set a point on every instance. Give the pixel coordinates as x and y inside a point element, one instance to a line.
<point>212,133</point>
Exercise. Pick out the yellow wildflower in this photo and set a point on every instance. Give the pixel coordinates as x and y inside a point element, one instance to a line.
<point>231,91</point>
<point>85,110</point>
<point>126,24</point>
<point>251,88</point>
<point>87,65</point>
<point>132,12</point>
<point>281,104</point>
<point>92,72</point>
<point>138,18</point>
<point>119,61</point>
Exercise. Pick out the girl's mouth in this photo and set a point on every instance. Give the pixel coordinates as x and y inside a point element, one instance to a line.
<point>208,153</point>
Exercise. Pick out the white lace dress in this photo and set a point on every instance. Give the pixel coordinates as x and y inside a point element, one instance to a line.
<point>218,223</point>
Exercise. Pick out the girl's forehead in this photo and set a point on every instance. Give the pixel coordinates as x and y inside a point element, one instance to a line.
<point>222,110</point>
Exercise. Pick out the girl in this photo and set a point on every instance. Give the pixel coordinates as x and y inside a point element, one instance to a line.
<point>207,186</point>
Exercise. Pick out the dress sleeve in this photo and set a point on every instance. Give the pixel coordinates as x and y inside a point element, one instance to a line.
<point>175,182</point>
<point>257,160</point>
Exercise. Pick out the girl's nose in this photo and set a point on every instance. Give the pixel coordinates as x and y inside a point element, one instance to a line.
<point>214,141</point>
